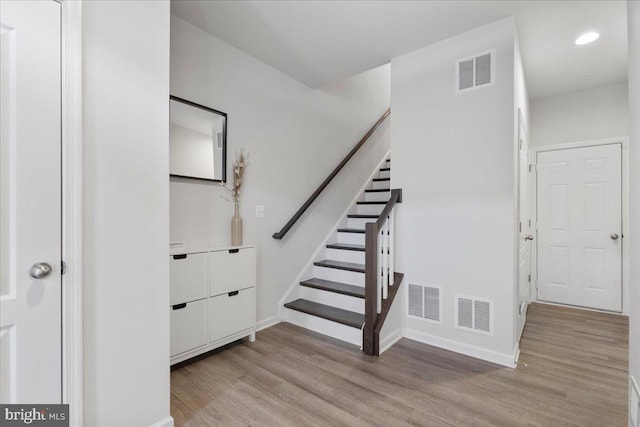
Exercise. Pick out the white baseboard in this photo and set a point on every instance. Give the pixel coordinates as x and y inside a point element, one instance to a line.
<point>165,422</point>
<point>503,359</point>
<point>390,340</point>
<point>268,322</point>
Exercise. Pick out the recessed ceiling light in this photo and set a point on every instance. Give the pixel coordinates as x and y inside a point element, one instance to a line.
<point>587,38</point>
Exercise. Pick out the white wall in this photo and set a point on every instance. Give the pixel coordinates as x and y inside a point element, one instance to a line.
<point>633,25</point>
<point>590,114</point>
<point>126,205</point>
<point>294,135</point>
<point>453,157</point>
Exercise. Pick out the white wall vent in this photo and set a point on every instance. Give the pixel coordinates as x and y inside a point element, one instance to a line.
<point>475,71</point>
<point>425,303</point>
<point>474,314</point>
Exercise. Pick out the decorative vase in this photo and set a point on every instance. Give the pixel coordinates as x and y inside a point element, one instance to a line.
<point>236,227</point>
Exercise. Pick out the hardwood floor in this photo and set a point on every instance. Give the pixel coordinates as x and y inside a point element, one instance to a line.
<point>573,371</point>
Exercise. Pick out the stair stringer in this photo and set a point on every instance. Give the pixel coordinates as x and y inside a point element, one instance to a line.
<point>293,291</point>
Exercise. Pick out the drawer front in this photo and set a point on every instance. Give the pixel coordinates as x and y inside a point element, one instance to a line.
<point>188,326</point>
<point>229,314</point>
<point>188,277</point>
<point>231,270</point>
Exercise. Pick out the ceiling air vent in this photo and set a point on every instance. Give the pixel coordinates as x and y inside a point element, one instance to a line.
<point>425,303</point>
<point>474,314</point>
<point>476,71</point>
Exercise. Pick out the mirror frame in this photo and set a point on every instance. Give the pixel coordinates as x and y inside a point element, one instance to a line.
<point>224,138</point>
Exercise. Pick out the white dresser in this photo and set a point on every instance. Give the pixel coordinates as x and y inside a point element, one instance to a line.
<point>213,299</point>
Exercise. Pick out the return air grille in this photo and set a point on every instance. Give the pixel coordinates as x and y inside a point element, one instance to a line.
<point>424,303</point>
<point>476,71</point>
<point>474,314</point>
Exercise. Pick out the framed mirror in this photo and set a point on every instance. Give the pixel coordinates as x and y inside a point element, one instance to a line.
<point>197,141</point>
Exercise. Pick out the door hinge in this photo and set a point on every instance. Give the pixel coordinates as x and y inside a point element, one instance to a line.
<point>529,278</point>
<point>63,267</point>
<point>530,167</point>
<point>520,227</point>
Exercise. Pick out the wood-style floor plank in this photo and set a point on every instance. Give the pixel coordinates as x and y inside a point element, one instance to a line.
<point>572,372</point>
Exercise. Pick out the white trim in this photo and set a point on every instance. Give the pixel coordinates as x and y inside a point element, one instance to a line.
<point>268,322</point>
<point>624,142</point>
<point>72,354</point>
<point>503,359</point>
<point>165,422</point>
<point>390,340</point>
<point>295,285</point>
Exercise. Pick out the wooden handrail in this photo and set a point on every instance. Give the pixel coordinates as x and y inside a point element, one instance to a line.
<point>372,320</point>
<point>280,234</point>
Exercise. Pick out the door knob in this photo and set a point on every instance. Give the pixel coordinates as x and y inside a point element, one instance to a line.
<point>40,270</point>
<point>528,237</point>
<point>614,236</point>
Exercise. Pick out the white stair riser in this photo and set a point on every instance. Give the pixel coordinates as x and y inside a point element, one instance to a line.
<point>333,299</point>
<point>380,184</point>
<point>346,256</point>
<point>353,238</point>
<point>370,209</point>
<point>377,196</point>
<point>359,222</point>
<point>343,276</point>
<point>325,327</point>
<point>384,174</point>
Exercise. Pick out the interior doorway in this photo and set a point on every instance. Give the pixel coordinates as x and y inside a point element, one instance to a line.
<point>30,203</point>
<point>579,209</point>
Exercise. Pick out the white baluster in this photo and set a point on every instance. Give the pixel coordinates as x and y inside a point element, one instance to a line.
<point>378,276</point>
<point>385,259</point>
<point>392,240</point>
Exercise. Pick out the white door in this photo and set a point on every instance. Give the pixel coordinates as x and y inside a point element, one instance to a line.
<point>524,230</point>
<point>580,227</point>
<point>30,202</point>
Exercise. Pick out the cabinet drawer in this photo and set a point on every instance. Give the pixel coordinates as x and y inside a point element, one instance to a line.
<point>231,270</point>
<point>188,326</point>
<point>188,275</point>
<point>233,313</point>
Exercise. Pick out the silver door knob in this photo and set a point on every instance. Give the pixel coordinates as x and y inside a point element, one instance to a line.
<point>528,237</point>
<point>40,270</point>
<point>614,236</point>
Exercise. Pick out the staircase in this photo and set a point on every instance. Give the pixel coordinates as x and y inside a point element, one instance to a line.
<point>332,300</point>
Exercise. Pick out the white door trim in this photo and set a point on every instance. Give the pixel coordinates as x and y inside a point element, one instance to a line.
<point>624,142</point>
<point>72,354</point>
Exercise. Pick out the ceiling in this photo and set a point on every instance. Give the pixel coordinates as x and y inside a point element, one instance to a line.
<point>320,42</point>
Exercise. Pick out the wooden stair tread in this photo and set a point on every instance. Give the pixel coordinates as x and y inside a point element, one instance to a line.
<point>384,169</point>
<point>351,230</point>
<point>336,287</point>
<point>372,203</point>
<point>382,179</point>
<point>362,216</point>
<point>346,247</point>
<point>340,265</point>
<point>377,190</point>
<point>345,317</point>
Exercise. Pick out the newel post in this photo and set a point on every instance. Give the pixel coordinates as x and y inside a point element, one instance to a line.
<point>370,288</point>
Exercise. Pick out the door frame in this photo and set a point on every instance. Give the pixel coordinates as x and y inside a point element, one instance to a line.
<point>72,341</point>
<point>624,142</point>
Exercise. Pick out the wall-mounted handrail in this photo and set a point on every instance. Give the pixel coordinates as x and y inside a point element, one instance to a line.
<point>380,285</point>
<point>280,234</point>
